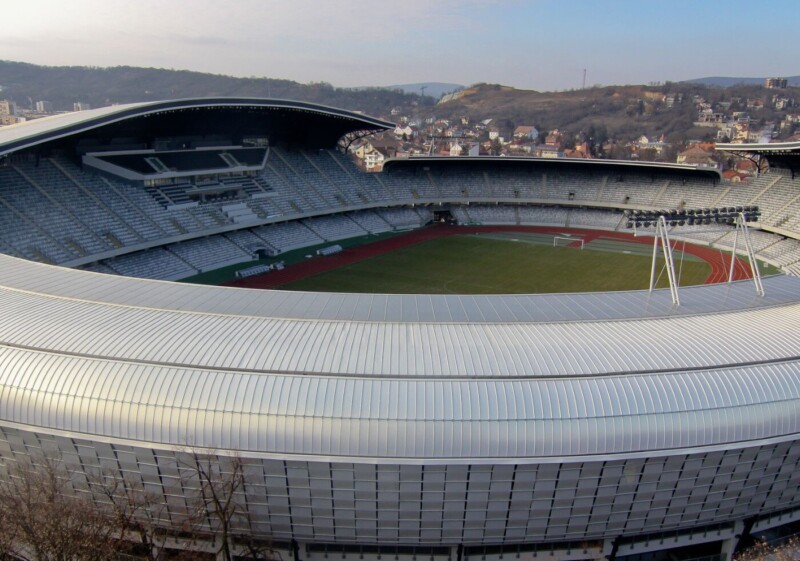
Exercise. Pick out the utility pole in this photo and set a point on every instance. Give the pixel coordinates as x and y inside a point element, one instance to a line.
<point>584,79</point>
<point>422,90</point>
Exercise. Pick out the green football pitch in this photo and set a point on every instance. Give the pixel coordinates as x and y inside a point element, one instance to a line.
<point>504,263</point>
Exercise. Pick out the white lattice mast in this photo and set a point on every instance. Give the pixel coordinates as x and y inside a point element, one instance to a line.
<point>662,235</point>
<point>738,216</point>
<point>741,225</point>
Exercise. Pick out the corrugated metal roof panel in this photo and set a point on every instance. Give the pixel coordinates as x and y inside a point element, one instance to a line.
<point>406,376</point>
<point>495,418</point>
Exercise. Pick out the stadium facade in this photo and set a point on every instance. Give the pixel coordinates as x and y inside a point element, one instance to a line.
<point>575,426</point>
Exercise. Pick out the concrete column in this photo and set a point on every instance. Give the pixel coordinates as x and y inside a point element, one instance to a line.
<point>728,546</point>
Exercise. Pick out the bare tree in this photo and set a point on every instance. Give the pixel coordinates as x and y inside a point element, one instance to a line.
<point>763,551</point>
<point>137,514</point>
<point>222,483</point>
<point>48,513</point>
<point>219,481</point>
<point>41,520</point>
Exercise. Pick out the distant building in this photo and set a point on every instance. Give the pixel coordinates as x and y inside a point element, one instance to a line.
<point>711,117</point>
<point>554,138</point>
<point>696,156</point>
<point>550,151</point>
<point>44,107</point>
<point>80,106</point>
<point>526,131</point>
<point>775,83</point>
<point>671,100</point>
<point>644,143</point>
<point>746,168</point>
<point>403,131</point>
<point>11,120</point>
<point>8,113</point>
<point>373,159</point>
<point>8,108</point>
<point>781,103</point>
<point>734,176</point>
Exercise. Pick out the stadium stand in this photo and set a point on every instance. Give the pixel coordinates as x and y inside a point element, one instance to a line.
<point>331,228</point>
<point>207,254</point>
<point>594,218</point>
<point>288,236</point>
<point>402,218</point>
<point>549,216</point>
<point>486,215</point>
<point>82,214</point>
<point>248,241</point>
<point>370,221</point>
<point>153,264</point>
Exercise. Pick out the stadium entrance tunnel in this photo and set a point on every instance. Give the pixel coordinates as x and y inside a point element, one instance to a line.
<point>444,217</point>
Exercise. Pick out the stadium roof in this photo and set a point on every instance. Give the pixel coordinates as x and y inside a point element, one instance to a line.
<point>464,378</point>
<point>760,147</point>
<point>778,154</point>
<point>566,163</point>
<point>331,123</point>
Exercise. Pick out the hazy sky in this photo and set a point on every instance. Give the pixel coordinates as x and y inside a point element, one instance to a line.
<point>534,44</point>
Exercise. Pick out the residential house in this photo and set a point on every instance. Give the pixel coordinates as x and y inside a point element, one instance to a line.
<point>746,167</point>
<point>554,138</point>
<point>528,132</point>
<point>711,118</point>
<point>373,159</point>
<point>781,103</point>
<point>696,156</point>
<point>549,151</point>
<point>734,176</point>
<point>403,131</point>
<point>644,143</point>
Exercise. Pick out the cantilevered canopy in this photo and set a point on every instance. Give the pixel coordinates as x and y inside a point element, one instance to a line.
<point>778,154</point>
<point>291,122</point>
<point>445,163</point>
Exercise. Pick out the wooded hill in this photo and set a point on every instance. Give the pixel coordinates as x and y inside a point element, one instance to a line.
<point>620,112</point>
<point>63,85</point>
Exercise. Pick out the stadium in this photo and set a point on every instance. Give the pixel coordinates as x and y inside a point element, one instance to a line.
<point>566,425</point>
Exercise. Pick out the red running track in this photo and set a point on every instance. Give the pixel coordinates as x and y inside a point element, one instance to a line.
<point>717,260</point>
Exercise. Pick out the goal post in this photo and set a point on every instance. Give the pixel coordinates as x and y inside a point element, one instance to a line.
<point>567,241</point>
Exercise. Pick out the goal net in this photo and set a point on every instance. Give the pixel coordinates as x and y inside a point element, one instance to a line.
<point>566,241</point>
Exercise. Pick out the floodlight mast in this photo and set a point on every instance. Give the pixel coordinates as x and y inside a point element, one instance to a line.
<point>741,224</point>
<point>660,219</point>
<point>662,235</point>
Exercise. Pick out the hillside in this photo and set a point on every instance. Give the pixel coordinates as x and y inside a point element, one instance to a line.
<point>64,85</point>
<point>618,112</point>
<point>624,112</point>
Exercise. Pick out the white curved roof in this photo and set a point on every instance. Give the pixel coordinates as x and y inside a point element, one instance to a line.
<point>382,377</point>
<point>758,147</point>
<point>37,131</point>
